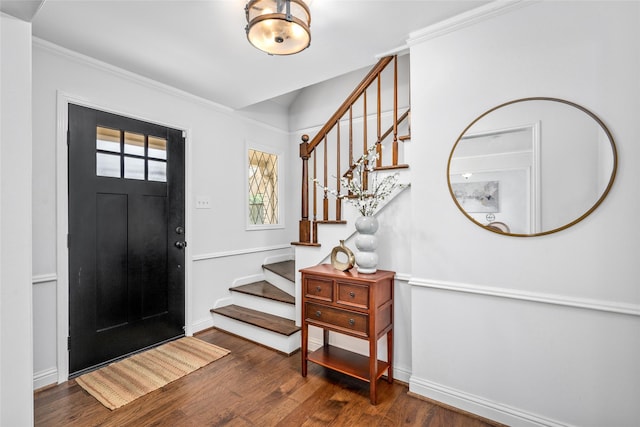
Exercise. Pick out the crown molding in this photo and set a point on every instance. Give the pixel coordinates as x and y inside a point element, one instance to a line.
<point>466,19</point>
<point>147,82</point>
<point>128,75</point>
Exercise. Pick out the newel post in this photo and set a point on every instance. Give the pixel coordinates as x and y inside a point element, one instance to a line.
<point>305,225</point>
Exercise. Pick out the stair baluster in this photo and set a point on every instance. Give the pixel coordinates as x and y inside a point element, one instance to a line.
<point>308,229</point>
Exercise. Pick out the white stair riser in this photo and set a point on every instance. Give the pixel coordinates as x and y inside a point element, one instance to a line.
<point>277,308</point>
<point>282,343</point>
<point>280,282</point>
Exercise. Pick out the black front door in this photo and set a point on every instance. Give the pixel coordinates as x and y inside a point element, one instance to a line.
<point>126,236</point>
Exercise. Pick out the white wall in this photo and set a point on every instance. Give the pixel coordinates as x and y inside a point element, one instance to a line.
<point>16,397</point>
<point>528,331</point>
<point>219,247</point>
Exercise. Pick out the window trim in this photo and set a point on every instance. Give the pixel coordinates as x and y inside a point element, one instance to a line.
<point>279,153</point>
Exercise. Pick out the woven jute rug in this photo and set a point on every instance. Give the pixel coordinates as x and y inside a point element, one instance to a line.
<point>124,381</point>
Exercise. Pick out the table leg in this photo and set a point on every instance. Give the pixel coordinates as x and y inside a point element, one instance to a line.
<point>373,369</point>
<point>390,356</point>
<point>303,347</point>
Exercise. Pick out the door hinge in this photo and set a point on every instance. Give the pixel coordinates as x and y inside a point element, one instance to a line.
<point>68,137</point>
<point>67,241</point>
<point>68,343</point>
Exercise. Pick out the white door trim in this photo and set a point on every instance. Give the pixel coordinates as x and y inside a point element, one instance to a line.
<point>62,221</point>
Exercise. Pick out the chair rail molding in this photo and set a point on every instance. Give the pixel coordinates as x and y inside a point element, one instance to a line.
<point>224,254</point>
<point>44,278</point>
<point>539,297</point>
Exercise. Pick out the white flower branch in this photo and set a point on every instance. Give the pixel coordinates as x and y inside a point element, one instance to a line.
<point>365,200</point>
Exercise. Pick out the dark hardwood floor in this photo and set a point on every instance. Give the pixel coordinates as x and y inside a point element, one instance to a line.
<point>252,386</point>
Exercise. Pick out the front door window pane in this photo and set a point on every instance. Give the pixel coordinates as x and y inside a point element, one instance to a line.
<point>108,165</point>
<point>157,171</point>
<point>133,168</point>
<point>107,139</point>
<point>133,144</point>
<point>157,148</point>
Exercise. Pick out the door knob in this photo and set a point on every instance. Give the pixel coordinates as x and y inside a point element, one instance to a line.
<point>180,245</point>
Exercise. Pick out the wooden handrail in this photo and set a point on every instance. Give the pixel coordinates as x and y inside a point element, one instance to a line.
<point>364,84</point>
<point>308,148</point>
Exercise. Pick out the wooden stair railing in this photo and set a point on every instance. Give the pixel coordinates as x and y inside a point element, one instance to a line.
<point>331,132</point>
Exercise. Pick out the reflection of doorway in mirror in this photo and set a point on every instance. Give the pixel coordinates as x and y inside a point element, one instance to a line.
<point>511,157</point>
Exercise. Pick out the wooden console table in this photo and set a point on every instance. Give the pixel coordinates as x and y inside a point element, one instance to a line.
<point>351,303</point>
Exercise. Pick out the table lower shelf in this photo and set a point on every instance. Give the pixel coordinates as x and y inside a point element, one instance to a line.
<point>346,362</point>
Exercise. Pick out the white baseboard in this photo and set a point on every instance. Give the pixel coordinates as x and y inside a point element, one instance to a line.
<point>278,258</point>
<point>202,324</point>
<point>45,378</point>
<point>478,405</point>
<point>402,374</point>
<point>207,322</point>
<point>245,280</point>
<point>222,302</point>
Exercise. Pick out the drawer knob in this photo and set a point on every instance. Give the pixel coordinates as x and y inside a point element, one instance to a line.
<point>352,294</point>
<point>352,322</point>
<point>318,288</point>
<point>318,313</point>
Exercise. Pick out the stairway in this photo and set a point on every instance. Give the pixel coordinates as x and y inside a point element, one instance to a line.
<point>264,311</point>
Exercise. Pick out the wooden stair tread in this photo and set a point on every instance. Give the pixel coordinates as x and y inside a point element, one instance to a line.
<point>285,269</point>
<point>338,221</point>
<point>265,289</point>
<point>306,244</point>
<point>391,167</point>
<point>266,321</point>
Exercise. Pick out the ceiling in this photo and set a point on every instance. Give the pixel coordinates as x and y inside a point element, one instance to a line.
<point>200,47</point>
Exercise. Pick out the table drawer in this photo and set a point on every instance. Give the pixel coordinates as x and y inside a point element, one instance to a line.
<point>348,321</point>
<point>317,288</point>
<point>353,295</point>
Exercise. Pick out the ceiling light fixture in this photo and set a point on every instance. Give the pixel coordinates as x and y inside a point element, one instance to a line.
<point>278,27</point>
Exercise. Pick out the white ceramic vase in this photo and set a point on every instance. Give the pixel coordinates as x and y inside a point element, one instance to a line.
<point>367,243</point>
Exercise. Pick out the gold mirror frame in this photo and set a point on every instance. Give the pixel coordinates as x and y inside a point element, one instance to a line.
<point>506,232</point>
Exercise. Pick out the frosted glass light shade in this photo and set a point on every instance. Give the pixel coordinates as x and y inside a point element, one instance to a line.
<point>278,27</point>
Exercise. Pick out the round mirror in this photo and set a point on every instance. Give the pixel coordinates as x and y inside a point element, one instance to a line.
<point>532,166</point>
